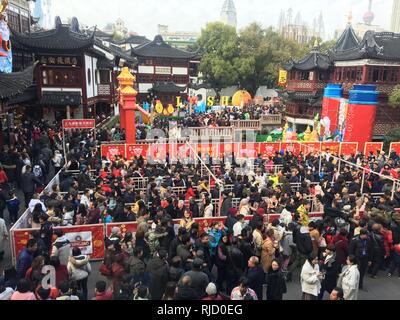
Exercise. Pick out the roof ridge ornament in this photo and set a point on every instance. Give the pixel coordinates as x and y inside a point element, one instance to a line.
<point>370,43</point>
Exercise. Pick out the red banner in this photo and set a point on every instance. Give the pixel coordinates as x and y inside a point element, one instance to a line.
<point>373,147</point>
<point>348,148</point>
<point>158,151</point>
<point>90,239</point>
<point>247,150</point>
<point>292,147</point>
<point>113,150</point>
<point>123,227</point>
<point>269,149</point>
<point>395,146</point>
<point>333,147</point>
<point>311,147</point>
<point>78,124</point>
<point>136,150</point>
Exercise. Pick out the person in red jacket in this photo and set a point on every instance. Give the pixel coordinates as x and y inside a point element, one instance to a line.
<point>3,177</point>
<point>101,292</point>
<point>61,270</point>
<point>387,241</point>
<point>342,246</point>
<point>190,193</point>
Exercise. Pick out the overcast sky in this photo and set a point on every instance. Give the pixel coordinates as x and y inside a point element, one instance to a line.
<point>191,15</point>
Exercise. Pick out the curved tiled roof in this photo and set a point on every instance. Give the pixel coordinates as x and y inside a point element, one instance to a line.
<point>168,87</point>
<point>60,38</point>
<point>314,60</point>
<point>158,48</point>
<point>12,84</point>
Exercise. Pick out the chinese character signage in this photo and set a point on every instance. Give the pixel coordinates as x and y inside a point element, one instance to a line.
<point>59,60</point>
<point>78,124</point>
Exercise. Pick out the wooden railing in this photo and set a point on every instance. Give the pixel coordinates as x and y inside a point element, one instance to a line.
<point>271,119</point>
<point>220,132</point>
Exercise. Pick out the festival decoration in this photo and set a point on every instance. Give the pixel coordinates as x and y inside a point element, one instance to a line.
<point>361,114</point>
<point>307,134</point>
<point>240,98</point>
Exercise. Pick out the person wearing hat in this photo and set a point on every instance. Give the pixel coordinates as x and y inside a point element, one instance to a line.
<point>199,280</point>
<point>331,268</point>
<point>361,247</point>
<point>212,293</point>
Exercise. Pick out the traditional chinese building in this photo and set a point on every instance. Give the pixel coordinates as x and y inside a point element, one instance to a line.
<point>163,72</point>
<point>373,60</point>
<point>75,76</point>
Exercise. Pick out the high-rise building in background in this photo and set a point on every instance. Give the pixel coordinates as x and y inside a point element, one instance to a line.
<point>395,23</point>
<point>296,29</point>
<point>228,13</point>
<point>42,10</point>
<point>361,28</point>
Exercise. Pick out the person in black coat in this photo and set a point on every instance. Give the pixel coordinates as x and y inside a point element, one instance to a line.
<point>28,181</point>
<point>276,285</point>
<point>361,247</point>
<point>256,276</point>
<point>235,263</point>
<point>185,291</point>
<point>378,249</point>
<point>226,203</point>
<point>158,271</point>
<point>331,269</point>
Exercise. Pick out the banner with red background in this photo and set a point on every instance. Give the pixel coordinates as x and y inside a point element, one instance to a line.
<point>395,146</point>
<point>334,147</point>
<point>372,147</point>
<point>136,150</point>
<point>111,150</point>
<point>269,149</point>
<point>293,147</point>
<point>348,148</point>
<point>310,147</point>
<point>89,238</point>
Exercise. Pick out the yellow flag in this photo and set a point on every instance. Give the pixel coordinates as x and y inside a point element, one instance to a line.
<point>282,77</point>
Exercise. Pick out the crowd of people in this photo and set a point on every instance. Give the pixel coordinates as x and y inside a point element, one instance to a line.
<point>358,234</point>
<point>222,118</point>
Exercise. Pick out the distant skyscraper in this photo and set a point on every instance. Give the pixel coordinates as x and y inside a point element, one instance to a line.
<point>395,24</point>
<point>43,11</point>
<point>291,26</point>
<point>228,13</point>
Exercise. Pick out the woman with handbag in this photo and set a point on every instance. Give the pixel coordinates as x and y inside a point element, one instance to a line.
<point>310,279</point>
<point>79,269</point>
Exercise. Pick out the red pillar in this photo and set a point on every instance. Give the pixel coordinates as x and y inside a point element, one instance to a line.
<point>128,97</point>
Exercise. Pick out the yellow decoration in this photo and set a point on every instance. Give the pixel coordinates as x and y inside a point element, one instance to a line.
<point>284,132</point>
<point>3,6</point>
<point>159,107</point>
<point>170,109</point>
<point>240,98</point>
<point>282,77</point>
<point>307,134</point>
<point>126,78</point>
<point>128,91</point>
<point>314,136</point>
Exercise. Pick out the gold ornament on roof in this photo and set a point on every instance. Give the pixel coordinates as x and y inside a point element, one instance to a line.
<point>126,78</point>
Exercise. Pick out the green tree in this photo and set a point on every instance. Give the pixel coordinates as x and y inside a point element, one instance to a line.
<point>262,53</point>
<point>219,46</point>
<point>394,97</point>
